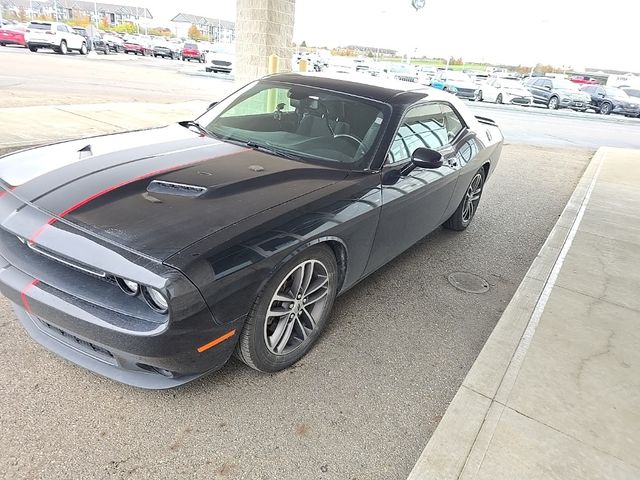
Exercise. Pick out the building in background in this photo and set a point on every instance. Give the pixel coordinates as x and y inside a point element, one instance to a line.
<point>212,29</point>
<point>64,10</point>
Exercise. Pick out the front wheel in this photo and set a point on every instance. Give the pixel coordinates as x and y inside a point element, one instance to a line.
<point>554,104</point>
<point>83,49</point>
<point>499,98</point>
<point>605,109</point>
<point>465,212</point>
<point>62,49</point>
<point>289,315</point>
<point>479,97</point>
<point>33,49</point>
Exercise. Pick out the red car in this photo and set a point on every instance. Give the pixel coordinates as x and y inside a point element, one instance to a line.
<point>582,80</point>
<point>190,51</point>
<point>131,47</point>
<point>11,37</point>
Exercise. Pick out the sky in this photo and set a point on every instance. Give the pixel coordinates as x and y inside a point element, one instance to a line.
<point>557,32</point>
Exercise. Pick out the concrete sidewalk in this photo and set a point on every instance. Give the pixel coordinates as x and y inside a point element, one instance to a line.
<point>555,392</point>
<point>26,126</point>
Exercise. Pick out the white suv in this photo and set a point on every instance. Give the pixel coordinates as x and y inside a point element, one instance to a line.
<point>57,36</point>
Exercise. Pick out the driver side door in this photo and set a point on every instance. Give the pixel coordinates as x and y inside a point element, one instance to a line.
<point>413,205</point>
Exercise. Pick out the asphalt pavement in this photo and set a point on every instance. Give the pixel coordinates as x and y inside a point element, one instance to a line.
<point>365,400</point>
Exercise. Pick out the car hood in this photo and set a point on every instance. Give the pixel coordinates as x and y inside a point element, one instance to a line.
<point>462,84</point>
<point>518,91</point>
<point>156,191</point>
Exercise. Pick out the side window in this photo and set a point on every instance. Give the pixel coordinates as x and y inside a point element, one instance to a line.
<point>423,126</point>
<point>61,28</point>
<point>452,122</point>
<point>588,89</point>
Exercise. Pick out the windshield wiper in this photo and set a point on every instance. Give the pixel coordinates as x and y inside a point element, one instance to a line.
<point>197,126</point>
<point>273,150</point>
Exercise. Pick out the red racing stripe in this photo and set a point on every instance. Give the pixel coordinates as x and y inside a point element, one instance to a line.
<point>23,294</point>
<point>74,207</point>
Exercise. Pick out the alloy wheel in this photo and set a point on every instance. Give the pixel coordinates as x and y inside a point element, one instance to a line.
<point>553,103</point>
<point>472,198</point>
<point>300,299</point>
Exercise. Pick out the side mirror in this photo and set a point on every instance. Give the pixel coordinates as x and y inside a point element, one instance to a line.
<point>423,158</point>
<point>211,105</point>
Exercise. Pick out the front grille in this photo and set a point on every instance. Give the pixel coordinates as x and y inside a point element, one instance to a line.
<point>71,340</point>
<point>521,101</point>
<point>221,63</point>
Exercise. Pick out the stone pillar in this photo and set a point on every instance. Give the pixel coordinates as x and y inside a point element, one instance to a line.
<point>263,27</point>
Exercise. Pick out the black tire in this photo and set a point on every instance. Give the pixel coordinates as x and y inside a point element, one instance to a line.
<point>33,49</point>
<point>499,98</point>
<point>479,97</point>
<point>83,49</point>
<point>252,348</point>
<point>3,44</point>
<point>62,49</point>
<point>458,220</point>
<point>605,108</point>
<point>554,103</point>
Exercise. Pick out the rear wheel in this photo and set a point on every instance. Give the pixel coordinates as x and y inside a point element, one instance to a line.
<point>499,98</point>
<point>479,96</point>
<point>33,49</point>
<point>83,49</point>
<point>290,313</point>
<point>465,212</point>
<point>62,49</point>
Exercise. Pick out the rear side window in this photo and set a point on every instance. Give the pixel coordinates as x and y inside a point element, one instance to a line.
<point>62,28</point>
<point>39,26</point>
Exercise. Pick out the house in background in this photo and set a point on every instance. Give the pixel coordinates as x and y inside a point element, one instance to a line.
<point>63,10</point>
<point>213,29</point>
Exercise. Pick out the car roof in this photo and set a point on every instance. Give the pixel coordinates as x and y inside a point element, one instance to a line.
<point>360,84</point>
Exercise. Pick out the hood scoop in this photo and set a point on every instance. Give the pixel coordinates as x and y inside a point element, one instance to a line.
<point>173,188</point>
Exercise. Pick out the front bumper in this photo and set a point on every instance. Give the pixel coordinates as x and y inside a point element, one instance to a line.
<point>87,319</point>
<point>632,112</point>
<point>467,93</point>
<point>573,104</point>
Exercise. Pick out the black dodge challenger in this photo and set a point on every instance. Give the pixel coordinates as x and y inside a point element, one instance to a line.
<point>151,256</point>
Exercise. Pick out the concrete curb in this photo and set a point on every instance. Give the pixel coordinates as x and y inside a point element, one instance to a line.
<point>460,441</point>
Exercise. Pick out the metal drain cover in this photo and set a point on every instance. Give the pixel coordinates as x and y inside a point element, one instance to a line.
<point>468,282</point>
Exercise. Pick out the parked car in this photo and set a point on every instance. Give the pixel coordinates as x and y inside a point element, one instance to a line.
<point>425,74</point>
<point>116,44</point>
<point>504,90</point>
<point>191,51</point>
<point>557,93</point>
<point>137,47</point>
<point>57,36</point>
<point>456,82</point>
<point>396,71</point>
<point>163,49</point>
<point>100,44</point>
<point>157,253</point>
<point>634,94</point>
<point>583,80</point>
<point>606,100</point>
<point>10,35</point>
<point>221,58</point>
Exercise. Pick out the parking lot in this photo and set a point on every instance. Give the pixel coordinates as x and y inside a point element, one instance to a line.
<point>366,399</point>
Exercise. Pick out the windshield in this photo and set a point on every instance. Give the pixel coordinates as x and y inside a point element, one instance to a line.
<point>39,26</point>
<point>564,84</point>
<point>632,92</point>
<point>513,84</point>
<point>298,121</point>
<point>615,92</point>
<point>402,68</point>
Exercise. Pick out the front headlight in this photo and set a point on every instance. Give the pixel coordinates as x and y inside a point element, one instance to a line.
<point>452,89</point>
<point>128,287</point>
<point>155,299</point>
